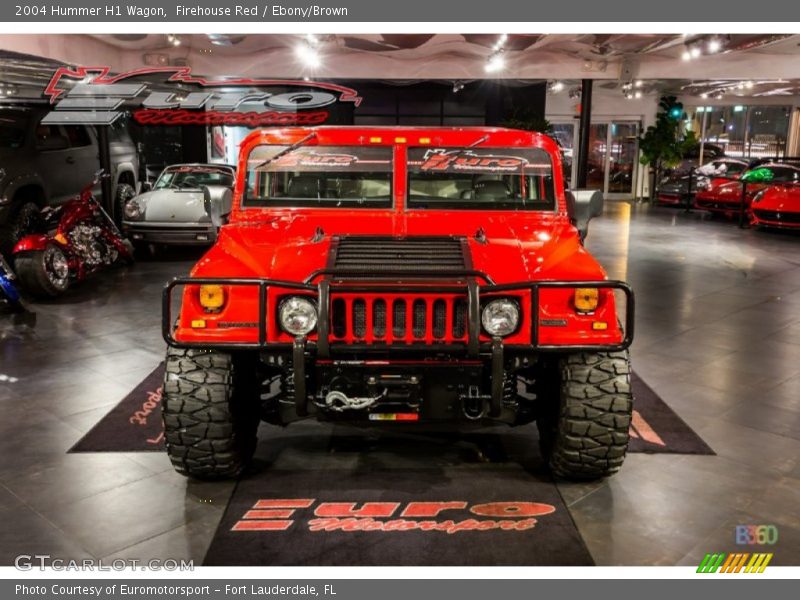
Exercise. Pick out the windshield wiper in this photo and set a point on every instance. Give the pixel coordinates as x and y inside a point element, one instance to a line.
<point>287,150</point>
<point>478,142</point>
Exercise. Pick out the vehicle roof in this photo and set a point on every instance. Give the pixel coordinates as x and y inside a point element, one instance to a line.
<point>200,165</point>
<point>395,129</point>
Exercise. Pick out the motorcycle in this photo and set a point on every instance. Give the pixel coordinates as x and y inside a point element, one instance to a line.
<point>9,295</point>
<point>76,239</point>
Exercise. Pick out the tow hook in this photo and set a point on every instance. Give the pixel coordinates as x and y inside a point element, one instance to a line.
<point>474,404</point>
<point>339,401</point>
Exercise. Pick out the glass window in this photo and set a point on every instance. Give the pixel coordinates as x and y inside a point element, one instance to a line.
<point>743,131</point>
<point>13,126</point>
<point>783,174</point>
<point>480,179</point>
<point>78,136</point>
<point>768,129</point>
<point>45,132</point>
<point>189,177</point>
<point>319,176</point>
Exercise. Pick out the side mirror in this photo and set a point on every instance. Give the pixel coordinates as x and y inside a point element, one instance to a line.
<point>146,187</point>
<point>53,143</point>
<point>217,200</point>
<point>582,207</point>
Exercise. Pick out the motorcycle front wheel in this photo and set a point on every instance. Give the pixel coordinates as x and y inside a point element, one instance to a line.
<point>43,273</point>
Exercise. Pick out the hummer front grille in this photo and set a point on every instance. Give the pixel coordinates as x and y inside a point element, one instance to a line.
<point>385,318</point>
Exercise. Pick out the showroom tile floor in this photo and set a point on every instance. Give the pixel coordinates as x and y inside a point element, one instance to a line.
<point>718,337</point>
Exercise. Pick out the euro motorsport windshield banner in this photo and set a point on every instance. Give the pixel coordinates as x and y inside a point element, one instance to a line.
<point>353,11</point>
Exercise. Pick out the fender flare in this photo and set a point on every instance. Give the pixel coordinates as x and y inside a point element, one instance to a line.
<point>34,241</point>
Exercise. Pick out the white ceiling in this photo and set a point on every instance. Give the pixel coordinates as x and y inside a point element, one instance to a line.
<point>771,62</point>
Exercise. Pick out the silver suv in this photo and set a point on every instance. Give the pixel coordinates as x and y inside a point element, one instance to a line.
<point>43,165</point>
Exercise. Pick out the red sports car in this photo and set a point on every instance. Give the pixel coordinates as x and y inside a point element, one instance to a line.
<point>674,188</point>
<point>725,195</point>
<point>777,206</point>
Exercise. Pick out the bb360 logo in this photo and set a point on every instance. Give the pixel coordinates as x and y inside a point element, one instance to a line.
<point>444,516</point>
<point>756,535</point>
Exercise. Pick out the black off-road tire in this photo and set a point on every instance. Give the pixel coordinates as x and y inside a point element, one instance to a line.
<point>125,192</point>
<point>210,416</point>
<point>585,436</point>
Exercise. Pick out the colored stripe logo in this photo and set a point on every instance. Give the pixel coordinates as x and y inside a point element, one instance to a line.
<point>735,562</point>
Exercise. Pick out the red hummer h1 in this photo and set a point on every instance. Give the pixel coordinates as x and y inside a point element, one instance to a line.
<point>392,276</point>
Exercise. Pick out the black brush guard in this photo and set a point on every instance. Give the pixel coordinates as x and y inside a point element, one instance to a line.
<point>301,346</point>
<point>469,285</point>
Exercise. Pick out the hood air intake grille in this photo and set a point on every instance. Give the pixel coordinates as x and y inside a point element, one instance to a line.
<point>399,255</point>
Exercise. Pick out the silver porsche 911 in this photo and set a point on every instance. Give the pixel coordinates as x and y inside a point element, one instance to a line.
<point>175,210</point>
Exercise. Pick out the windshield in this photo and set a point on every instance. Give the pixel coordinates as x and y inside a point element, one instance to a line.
<point>194,177</point>
<point>733,168</point>
<point>480,179</point>
<point>12,129</point>
<point>321,176</point>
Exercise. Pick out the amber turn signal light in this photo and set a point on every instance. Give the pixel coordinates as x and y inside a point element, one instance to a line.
<point>586,299</point>
<point>212,297</point>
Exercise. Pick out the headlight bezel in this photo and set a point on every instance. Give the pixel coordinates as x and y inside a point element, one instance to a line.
<point>511,304</point>
<point>284,305</point>
<point>139,214</point>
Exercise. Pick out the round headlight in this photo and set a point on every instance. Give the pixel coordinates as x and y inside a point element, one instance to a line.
<point>133,210</point>
<point>298,316</point>
<point>500,317</point>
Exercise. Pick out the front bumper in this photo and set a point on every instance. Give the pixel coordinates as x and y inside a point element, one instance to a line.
<point>177,234</point>
<point>777,219</point>
<point>727,206</point>
<point>490,356</point>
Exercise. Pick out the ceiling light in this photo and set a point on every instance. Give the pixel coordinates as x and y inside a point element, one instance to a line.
<point>556,87</point>
<point>639,83</point>
<point>686,55</point>
<point>695,52</point>
<point>719,96</point>
<point>308,55</point>
<point>749,85</point>
<point>704,95</point>
<point>495,63</point>
<point>458,86</point>
<point>312,39</point>
<point>714,45</point>
<point>638,95</point>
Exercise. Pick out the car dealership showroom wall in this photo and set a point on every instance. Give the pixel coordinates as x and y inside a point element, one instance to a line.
<point>415,290</point>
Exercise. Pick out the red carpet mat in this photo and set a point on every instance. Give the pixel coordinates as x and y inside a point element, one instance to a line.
<point>134,425</point>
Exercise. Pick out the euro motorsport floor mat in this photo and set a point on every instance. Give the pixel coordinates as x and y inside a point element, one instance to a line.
<point>134,425</point>
<point>352,498</point>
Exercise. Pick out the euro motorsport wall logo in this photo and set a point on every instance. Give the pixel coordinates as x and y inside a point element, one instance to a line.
<point>93,96</point>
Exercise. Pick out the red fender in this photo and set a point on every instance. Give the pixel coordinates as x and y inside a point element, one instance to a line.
<point>34,241</point>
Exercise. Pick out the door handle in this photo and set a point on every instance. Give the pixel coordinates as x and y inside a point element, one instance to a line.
<point>71,160</point>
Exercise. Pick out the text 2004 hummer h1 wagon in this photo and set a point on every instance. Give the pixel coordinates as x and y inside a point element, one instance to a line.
<point>398,275</point>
